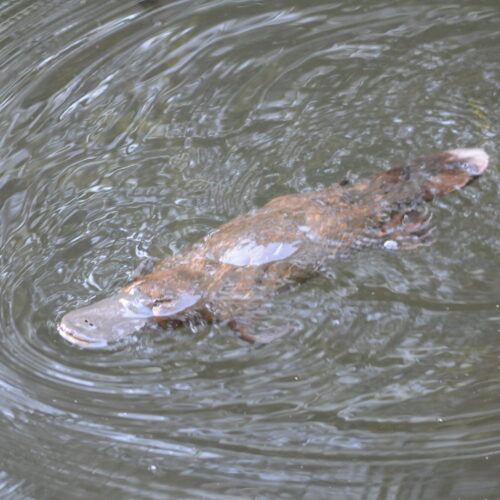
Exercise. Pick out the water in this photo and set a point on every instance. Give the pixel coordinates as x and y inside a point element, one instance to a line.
<point>131,129</point>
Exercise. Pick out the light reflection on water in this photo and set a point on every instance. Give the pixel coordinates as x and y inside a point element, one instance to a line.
<point>250,253</point>
<point>131,129</point>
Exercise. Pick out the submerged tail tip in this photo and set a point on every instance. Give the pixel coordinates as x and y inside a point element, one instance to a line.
<point>476,158</point>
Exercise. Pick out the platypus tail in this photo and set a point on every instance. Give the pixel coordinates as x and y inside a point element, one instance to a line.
<point>395,195</point>
<point>439,174</point>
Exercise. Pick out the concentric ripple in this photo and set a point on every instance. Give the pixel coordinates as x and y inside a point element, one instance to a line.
<point>131,129</point>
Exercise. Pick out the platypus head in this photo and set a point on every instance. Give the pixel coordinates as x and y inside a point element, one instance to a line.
<point>122,315</point>
<point>107,320</point>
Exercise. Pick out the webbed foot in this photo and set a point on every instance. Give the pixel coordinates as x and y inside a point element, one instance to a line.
<point>146,266</point>
<point>246,332</point>
<point>408,230</point>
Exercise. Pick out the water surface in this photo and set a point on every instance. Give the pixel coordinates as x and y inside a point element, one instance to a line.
<point>131,129</point>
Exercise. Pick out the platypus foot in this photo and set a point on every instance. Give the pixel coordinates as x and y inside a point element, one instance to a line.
<point>409,230</point>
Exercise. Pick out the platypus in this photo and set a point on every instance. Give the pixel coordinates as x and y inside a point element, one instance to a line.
<point>232,271</point>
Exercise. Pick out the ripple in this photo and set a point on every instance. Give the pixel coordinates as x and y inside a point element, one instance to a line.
<point>131,129</point>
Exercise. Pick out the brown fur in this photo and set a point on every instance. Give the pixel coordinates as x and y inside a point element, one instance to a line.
<point>232,271</point>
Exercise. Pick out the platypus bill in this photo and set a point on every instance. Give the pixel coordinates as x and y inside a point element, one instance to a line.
<point>228,274</point>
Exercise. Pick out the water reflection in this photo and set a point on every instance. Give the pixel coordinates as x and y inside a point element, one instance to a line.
<point>249,253</point>
<point>132,131</point>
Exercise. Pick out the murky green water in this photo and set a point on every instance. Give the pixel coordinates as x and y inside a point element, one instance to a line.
<point>130,129</point>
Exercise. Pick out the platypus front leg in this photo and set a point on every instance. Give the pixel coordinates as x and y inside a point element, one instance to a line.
<point>146,266</point>
<point>251,322</point>
<point>246,330</point>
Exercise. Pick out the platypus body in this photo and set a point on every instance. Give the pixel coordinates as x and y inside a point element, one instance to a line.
<point>233,270</point>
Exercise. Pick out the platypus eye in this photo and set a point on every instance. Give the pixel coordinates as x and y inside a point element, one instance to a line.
<point>163,300</point>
